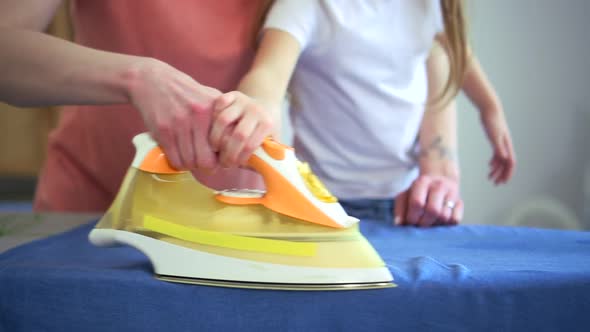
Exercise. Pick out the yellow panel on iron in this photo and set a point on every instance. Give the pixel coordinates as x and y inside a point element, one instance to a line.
<point>225,240</point>
<point>180,198</point>
<point>354,253</point>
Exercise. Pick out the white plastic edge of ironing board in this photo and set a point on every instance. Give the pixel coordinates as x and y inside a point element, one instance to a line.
<point>174,260</point>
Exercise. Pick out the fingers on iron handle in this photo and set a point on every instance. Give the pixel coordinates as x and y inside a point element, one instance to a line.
<point>167,142</point>
<point>172,155</point>
<point>255,141</point>
<point>226,139</point>
<point>186,148</point>
<point>238,140</point>
<point>205,157</point>
<point>221,122</point>
<point>182,135</point>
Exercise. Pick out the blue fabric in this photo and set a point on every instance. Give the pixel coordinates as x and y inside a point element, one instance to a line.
<point>464,278</point>
<point>374,209</point>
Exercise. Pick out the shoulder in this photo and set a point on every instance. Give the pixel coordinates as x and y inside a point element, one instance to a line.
<point>299,18</point>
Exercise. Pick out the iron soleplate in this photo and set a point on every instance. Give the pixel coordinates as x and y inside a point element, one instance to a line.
<point>276,286</point>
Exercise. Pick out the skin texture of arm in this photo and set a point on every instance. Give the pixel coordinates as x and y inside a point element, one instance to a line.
<point>245,117</point>
<point>424,203</point>
<point>482,94</point>
<point>39,70</point>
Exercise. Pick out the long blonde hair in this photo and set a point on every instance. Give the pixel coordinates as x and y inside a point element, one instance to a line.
<point>455,45</point>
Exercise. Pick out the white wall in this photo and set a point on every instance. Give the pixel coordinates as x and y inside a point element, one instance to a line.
<point>537,53</point>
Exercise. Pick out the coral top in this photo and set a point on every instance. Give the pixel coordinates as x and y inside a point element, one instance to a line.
<point>90,151</point>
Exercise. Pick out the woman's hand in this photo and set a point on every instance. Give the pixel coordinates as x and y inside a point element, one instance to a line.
<point>177,110</point>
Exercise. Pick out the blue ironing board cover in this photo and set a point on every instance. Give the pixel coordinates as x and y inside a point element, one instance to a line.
<point>463,278</point>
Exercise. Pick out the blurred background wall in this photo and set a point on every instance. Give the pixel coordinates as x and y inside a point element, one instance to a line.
<point>534,51</point>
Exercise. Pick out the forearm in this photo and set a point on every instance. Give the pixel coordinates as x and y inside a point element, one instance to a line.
<point>438,130</point>
<point>271,72</point>
<point>438,142</point>
<point>38,70</point>
<point>478,88</point>
<point>263,85</point>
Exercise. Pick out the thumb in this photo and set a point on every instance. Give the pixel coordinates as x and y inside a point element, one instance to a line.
<point>401,207</point>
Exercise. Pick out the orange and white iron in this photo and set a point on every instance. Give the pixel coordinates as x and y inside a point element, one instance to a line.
<point>294,235</point>
<point>291,188</point>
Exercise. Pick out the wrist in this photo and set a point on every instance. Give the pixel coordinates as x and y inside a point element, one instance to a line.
<point>274,111</point>
<point>442,167</point>
<point>136,72</point>
<point>271,107</point>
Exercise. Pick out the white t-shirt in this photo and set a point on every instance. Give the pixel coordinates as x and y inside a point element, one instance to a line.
<point>359,88</point>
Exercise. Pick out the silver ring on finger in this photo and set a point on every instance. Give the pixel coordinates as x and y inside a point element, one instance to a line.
<point>450,204</point>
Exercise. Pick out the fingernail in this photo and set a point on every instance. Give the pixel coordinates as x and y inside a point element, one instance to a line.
<point>397,221</point>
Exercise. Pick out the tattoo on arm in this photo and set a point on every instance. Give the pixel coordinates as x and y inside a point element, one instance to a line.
<point>437,149</point>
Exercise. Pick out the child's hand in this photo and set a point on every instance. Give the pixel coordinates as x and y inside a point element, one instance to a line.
<point>239,126</point>
<point>503,161</point>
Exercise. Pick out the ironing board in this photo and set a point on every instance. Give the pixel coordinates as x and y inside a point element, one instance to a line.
<point>464,278</point>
